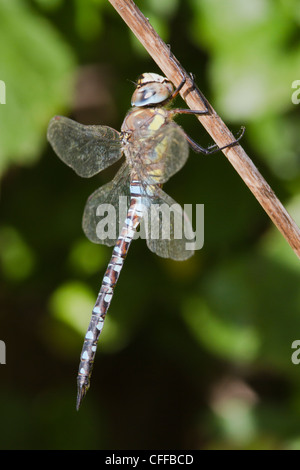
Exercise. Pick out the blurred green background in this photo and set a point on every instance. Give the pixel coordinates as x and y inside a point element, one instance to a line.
<point>195,354</point>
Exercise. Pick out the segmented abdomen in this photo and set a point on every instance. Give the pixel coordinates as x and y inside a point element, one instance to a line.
<point>110,279</point>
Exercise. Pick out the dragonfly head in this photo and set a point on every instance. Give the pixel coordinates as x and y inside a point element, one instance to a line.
<point>152,89</point>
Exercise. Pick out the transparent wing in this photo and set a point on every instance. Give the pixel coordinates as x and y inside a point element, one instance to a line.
<point>168,230</point>
<point>161,155</point>
<point>86,149</point>
<point>106,209</point>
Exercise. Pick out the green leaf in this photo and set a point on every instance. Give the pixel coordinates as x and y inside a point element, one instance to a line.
<point>16,257</point>
<point>36,66</point>
<point>223,338</point>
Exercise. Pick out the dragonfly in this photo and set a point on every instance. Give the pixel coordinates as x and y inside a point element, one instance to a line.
<point>155,148</point>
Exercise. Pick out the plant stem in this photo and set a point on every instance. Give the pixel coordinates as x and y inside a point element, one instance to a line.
<point>214,125</point>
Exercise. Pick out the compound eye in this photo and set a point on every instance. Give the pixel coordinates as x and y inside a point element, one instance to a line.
<point>150,94</point>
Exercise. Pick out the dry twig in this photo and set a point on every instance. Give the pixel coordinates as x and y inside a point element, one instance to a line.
<point>214,125</point>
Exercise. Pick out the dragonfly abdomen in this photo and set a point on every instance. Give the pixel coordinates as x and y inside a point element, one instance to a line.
<point>104,298</point>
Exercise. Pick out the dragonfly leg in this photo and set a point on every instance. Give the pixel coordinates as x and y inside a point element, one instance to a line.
<point>177,90</point>
<point>213,148</point>
<point>183,77</point>
<point>187,111</point>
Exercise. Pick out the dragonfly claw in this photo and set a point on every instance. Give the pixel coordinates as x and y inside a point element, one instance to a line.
<point>82,389</point>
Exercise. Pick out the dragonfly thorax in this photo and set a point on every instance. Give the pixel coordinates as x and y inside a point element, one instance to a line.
<point>143,123</point>
<point>142,136</point>
<point>152,89</point>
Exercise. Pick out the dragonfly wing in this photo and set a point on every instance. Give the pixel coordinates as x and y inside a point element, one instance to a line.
<point>86,149</point>
<point>164,154</point>
<point>106,209</point>
<point>169,232</point>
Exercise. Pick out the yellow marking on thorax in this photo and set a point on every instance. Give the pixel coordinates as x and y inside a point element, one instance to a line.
<point>156,172</point>
<point>157,122</point>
